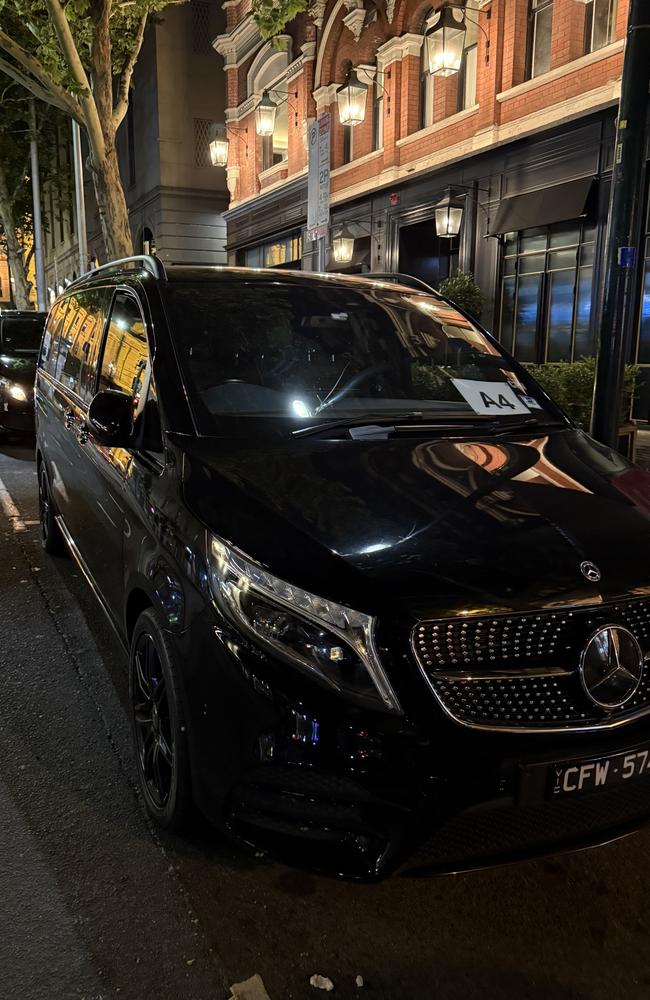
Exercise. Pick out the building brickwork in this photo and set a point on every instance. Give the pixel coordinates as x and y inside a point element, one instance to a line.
<point>391,45</point>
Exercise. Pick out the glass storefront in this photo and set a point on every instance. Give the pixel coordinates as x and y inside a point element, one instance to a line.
<point>546,292</point>
<point>284,252</point>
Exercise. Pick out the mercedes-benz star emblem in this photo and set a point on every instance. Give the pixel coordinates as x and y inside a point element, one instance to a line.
<point>611,667</point>
<point>590,571</point>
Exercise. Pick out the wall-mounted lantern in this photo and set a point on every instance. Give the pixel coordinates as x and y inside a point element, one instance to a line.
<point>448,216</point>
<point>445,41</point>
<point>351,99</point>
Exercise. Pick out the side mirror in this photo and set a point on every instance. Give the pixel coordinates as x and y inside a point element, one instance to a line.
<point>110,418</point>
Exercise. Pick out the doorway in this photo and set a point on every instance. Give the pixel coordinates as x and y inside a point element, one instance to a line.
<point>424,255</point>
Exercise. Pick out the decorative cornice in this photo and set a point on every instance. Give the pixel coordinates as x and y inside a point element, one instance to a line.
<point>242,110</point>
<point>232,179</point>
<point>368,72</point>
<point>317,12</point>
<point>355,21</point>
<point>325,96</point>
<point>398,48</point>
<point>238,44</point>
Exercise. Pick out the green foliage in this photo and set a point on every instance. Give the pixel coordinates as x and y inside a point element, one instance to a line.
<point>15,137</point>
<point>272,17</point>
<point>28,23</point>
<point>571,386</point>
<point>462,289</point>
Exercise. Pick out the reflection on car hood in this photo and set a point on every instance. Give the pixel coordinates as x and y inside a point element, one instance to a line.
<point>19,369</point>
<point>433,526</point>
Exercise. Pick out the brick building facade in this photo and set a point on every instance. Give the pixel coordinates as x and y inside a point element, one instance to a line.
<point>531,109</point>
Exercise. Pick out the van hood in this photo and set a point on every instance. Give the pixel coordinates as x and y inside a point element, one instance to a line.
<point>20,369</point>
<point>431,527</point>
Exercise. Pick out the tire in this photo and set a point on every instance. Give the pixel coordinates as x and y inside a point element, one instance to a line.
<point>51,538</point>
<point>158,722</point>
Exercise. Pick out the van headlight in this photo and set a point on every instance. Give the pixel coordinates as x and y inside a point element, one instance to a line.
<point>331,642</point>
<point>16,392</point>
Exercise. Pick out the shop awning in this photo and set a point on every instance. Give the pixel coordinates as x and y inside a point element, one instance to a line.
<point>557,203</point>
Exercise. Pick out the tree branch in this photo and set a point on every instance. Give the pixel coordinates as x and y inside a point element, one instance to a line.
<point>122,102</point>
<point>75,65</point>
<point>41,86</point>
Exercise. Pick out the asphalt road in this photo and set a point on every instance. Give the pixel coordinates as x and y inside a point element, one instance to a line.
<point>95,904</point>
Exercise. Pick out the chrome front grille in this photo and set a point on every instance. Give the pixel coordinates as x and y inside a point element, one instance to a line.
<point>520,672</point>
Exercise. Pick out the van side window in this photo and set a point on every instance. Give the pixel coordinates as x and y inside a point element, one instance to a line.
<point>82,336</point>
<point>94,304</point>
<point>52,336</point>
<point>125,362</point>
<point>67,335</point>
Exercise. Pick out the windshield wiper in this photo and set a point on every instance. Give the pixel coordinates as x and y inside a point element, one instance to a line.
<point>368,420</point>
<point>370,426</point>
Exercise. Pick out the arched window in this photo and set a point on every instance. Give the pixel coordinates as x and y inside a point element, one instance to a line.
<point>268,72</point>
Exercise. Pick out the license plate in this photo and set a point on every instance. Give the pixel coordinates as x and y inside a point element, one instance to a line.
<point>578,776</point>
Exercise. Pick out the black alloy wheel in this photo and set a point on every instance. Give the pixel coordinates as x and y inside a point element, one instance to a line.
<point>158,727</point>
<point>51,537</point>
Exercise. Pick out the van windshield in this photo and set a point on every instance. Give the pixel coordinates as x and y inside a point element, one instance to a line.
<point>306,352</point>
<point>21,335</point>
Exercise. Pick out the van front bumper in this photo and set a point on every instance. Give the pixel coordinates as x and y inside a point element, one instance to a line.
<point>283,764</point>
<point>16,416</point>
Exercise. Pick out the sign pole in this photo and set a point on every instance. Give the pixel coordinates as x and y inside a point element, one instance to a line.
<point>318,186</point>
<point>623,227</point>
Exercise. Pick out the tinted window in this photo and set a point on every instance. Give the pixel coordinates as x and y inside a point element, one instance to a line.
<point>21,335</point>
<point>93,307</point>
<point>302,350</point>
<point>125,362</point>
<point>77,360</point>
<point>52,334</point>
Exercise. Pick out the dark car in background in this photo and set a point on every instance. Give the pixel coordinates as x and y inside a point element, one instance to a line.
<point>384,605</point>
<point>20,339</point>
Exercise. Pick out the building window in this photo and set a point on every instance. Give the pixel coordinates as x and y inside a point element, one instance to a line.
<point>281,253</point>
<point>468,66</point>
<point>348,143</point>
<point>540,27</point>
<point>281,131</point>
<point>546,292</point>
<point>202,132</point>
<point>600,21</point>
<point>426,84</point>
<point>201,31</point>
<point>377,115</point>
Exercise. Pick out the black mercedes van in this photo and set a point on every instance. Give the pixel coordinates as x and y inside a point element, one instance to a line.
<point>384,605</point>
<point>20,338</point>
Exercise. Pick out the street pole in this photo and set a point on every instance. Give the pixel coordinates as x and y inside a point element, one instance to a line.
<point>39,263</point>
<point>82,236</point>
<point>623,227</point>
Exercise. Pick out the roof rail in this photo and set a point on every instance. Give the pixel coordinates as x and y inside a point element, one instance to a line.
<point>402,279</point>
<point>152,264</point>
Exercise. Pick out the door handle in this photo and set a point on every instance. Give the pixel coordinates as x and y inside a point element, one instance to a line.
<point>68,419</point>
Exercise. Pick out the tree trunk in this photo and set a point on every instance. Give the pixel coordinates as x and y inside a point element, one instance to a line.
<point>15,256</point>
<point>113,213</point>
